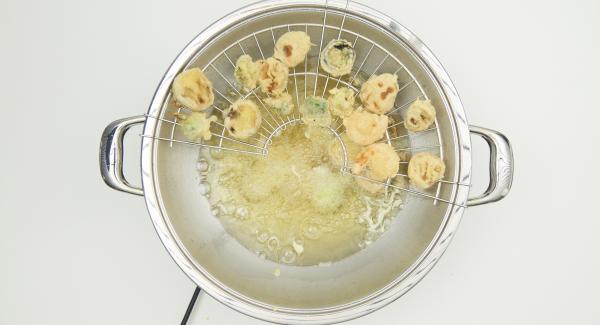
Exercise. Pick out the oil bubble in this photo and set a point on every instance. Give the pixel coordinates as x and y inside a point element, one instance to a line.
<point>202,165</point>
<point>273,243</point>
<point>204,188</point>
<point>288,256</point>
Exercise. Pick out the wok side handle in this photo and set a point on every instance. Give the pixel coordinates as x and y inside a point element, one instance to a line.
<point>501,166</point>
<point>111,154</point>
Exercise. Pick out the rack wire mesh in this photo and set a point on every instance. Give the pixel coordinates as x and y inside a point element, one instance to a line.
<point>372,58</point>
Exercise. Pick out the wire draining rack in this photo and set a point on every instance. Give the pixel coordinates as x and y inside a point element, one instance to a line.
<point>308,79</point>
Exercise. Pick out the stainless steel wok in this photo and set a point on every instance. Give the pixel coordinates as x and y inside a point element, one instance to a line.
<point>356,285</point>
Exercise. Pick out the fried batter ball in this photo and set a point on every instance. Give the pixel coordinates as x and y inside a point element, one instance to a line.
<point>364,128</point>
<point>378,162</point>
<point>292,47</point>
<point>419,116</point>
<point>242,119</point>
<point>196,126</point>
<point>425,169</point>
<point>192,89</point>
<point>378,94</point>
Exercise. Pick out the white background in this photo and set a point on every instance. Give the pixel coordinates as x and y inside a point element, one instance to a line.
<point>72,251</point>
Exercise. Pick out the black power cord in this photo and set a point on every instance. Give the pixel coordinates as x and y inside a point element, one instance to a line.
<point>190,306</point>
